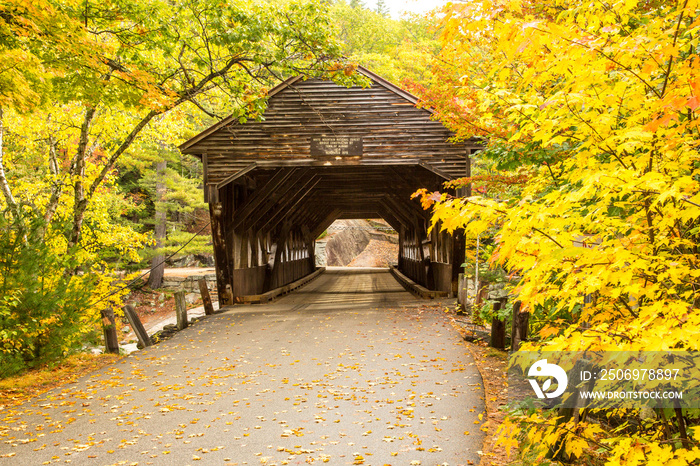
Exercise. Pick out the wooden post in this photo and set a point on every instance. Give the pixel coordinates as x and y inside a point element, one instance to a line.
<point>422,275</point>
<point>514,337</point>
<point>309,242</point>
<point>109,329</point>
<point>457,258</point>
<point>206,299</point>
<point>181,310</point>
<point>402,240</point>
<point>218,235</point>
<point>281,244</point>
<point>498,328</point>
<point>519,327</point>
<point>523,325</point>
<point>462,292</point>
<point>136,324</point>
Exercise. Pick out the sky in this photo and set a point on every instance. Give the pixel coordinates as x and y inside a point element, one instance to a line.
<point>396,7</point>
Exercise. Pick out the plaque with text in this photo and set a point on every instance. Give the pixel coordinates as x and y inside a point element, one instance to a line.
<point>336,146</point>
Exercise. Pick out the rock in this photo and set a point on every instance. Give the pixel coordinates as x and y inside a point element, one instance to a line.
<point>190,283</point>
<point>205,260</point>
<point>186,261</point>
<point>359,243</point>
<point>190,298</point>
<point>351,239</point>
<point>126,348</point>
<point>320,252</point>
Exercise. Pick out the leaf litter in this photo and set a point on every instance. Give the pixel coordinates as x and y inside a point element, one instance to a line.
<point>389,386</point>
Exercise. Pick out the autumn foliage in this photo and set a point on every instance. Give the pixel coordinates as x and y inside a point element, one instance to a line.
<point>88,87</point>
<point>598,102</point>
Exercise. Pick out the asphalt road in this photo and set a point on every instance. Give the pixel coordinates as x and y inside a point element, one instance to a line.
<point>350,369</point>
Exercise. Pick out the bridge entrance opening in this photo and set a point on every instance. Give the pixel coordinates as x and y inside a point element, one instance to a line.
<point>324,152</point>
<point>358,243</point>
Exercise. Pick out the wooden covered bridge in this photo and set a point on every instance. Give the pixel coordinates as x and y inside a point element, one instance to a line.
<point>325,152</point>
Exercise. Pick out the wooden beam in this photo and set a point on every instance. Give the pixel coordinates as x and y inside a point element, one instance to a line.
<point>236,175</point>
<point>428,166</point>
<point>400,209</point>
<point>413,206</point>
<point>389,218</point>
<point>260,195</point>
<point>279,199</point>
<point>218,234</point>
<point>273,198</point>
<point>287,207</point>
<point>325,223</point>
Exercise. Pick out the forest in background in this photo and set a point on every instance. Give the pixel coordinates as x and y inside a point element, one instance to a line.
<point>588,111</point>
<point>97,99</point>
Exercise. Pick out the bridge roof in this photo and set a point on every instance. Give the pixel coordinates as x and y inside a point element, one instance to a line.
<point>336,152</point>
<point>316,122</point>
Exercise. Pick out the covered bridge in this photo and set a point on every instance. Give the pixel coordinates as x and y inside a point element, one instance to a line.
<point>325,152</point>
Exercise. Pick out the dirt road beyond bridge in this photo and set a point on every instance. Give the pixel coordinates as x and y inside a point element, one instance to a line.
<point>348,370</point>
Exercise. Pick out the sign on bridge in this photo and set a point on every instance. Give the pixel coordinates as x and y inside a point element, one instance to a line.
<point>336,146</point>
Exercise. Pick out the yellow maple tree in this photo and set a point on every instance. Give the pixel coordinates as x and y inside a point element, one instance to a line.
<point>598,101</point>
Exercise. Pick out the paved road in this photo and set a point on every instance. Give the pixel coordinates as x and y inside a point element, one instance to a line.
<point>348,370</point>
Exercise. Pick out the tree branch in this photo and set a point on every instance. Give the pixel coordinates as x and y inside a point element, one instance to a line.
<point>545,234</point>
<point>675,39</point>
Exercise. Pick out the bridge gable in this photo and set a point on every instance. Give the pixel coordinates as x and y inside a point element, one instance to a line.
<point>315,122</point>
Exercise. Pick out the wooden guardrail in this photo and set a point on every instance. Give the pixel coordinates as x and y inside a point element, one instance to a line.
<point>272,294</point>
<point>414,287</point>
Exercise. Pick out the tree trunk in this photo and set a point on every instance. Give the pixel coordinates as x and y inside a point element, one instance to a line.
<point>4,185</point>
<point>155,279</point>
<point>78,172</point>
<point>56,189</point>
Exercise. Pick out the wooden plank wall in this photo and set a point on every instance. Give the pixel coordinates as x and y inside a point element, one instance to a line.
<point>249,281</point>
<point>391,127</point>
<point>427,262</point>
<point>442,274</point>
<point>254,261</point>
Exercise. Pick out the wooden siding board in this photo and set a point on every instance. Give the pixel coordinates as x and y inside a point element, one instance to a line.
<point>391,126</point>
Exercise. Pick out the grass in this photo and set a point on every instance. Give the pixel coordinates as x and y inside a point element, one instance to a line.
<point>24,386</point>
